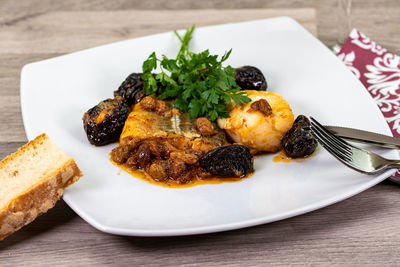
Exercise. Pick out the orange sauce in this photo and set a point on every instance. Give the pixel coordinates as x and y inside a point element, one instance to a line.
<point>282,157</point>
<point>170,184</point>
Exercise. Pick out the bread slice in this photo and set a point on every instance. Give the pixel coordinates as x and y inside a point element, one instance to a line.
<point>32,180</point>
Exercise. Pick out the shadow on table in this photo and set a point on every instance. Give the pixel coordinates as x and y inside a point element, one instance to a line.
<point>46,223</point>
<point>342,217</point>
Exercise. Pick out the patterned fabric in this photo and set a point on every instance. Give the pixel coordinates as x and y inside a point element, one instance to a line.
<point>379,72</point>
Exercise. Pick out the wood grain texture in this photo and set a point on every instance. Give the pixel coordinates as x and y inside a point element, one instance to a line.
<point>378,19</point>
<point>360,231</point>
<point>11,127</point>
<point>63,32</point>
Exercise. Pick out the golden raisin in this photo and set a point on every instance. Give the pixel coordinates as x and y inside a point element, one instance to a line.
<point>204,126</point>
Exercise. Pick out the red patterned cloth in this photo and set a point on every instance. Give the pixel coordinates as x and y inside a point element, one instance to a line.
<point>379,72</point>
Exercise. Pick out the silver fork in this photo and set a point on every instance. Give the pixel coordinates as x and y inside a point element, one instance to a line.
<point>357,158</point>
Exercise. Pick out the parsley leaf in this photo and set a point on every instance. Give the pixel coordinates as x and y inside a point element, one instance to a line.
<point>198,82</point>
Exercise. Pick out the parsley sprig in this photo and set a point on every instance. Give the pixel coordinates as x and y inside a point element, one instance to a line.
<point>198,82</point>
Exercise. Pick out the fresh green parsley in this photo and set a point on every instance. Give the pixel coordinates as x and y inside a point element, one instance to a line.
<point>198,82</point>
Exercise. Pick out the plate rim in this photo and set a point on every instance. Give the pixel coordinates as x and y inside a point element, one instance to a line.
<point>227,226</point>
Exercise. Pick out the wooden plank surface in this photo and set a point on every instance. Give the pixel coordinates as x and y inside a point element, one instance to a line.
<point>362,230</point>
<point>376,18</point>
<point>63,32</point>
<point>46,35</point>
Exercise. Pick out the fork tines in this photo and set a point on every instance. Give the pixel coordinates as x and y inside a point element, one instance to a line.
<point>354,157</point>
<point>332,143</point>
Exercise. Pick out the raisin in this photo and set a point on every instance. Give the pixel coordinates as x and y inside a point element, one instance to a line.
<point>143,155</point>
<point>176,169</point>
<point>157,172</point>
<point>148,103</point>
<point>158,148</point>
<point>161,107</point>
<point>204,126</point>
<point>262,106</point>
<point>185,157</point>
<point>120,154</point>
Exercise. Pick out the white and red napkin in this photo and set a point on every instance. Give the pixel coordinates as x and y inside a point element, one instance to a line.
<point>379,71</point>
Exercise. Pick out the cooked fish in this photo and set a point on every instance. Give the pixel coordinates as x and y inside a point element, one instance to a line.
<point>144,124</point>
<point>166,145</point>
<point>261,123</point>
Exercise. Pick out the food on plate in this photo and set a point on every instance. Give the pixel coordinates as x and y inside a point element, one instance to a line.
<point>131,90</point>
<point>228,161</point>
<point>194,121</point>
<point>32,180</point>
<point>166,145</point>
<point>250,78</point>
<point>259,124</point>
<point>104,122</point>
<point>199,83</point>
<point>143,122</point>
<point>299,142</point>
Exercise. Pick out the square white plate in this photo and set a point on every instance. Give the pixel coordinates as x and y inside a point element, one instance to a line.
<point>56,92</point>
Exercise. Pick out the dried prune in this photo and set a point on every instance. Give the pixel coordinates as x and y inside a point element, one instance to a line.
<point>299,142</point>
<point>250,78</point>
<point>104,122</point>
<point>228,161</point>
<point>131,89</point>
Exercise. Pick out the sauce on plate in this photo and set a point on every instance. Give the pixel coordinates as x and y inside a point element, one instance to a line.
<point>282,157</point>
<point>171,184</point>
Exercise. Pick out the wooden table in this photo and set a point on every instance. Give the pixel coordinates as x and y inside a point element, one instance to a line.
<point>362,230</point>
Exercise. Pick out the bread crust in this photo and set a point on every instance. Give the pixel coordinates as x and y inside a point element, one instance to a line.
<point>35,142</point>
<point>38,199</point>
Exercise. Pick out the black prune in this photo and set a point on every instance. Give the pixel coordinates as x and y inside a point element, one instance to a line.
<point>104,122</point>
<point>228,161</point>
<point>299,142</point>
<point>250,78</point>
<point>131,90</point>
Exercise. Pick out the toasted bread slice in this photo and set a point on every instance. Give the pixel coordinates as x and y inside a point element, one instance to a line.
<point>32,180</point>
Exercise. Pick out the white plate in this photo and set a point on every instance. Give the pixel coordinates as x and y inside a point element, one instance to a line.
<point>56,92</point>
